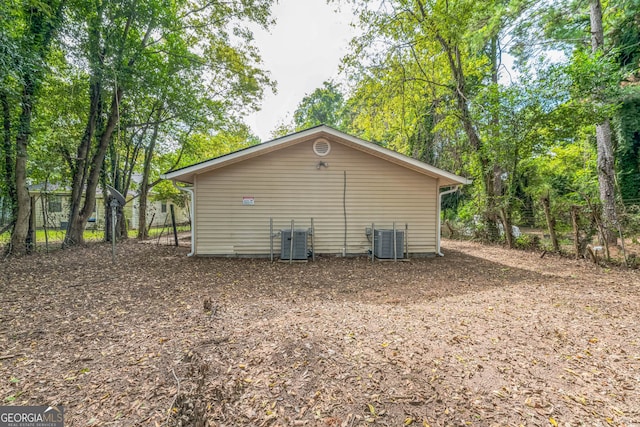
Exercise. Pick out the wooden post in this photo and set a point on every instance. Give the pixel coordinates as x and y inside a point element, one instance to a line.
<point>31,234</point>
<point>173,224</point>
<point>551,222</point>
<point>624,250</point>
<point>576,231</point>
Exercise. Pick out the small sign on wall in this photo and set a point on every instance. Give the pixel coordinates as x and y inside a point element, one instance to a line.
<point>248,201</point>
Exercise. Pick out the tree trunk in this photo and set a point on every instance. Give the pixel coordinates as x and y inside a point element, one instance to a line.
<point>606,181</point>
<point>23,201</point>
<point>460,94</point>
<point>78,218</point>
<point>576,232</point>
<point>44,20</point>
<point>606,166</point>
<point>494,178</point>
<point>80,167</point>
<point>118,183</point>
<point>79,215</point>
<point>551,223</point>
<point>144,185</point>
<point>9,160</point>
<point>81,164</point>
<point>506,224</point>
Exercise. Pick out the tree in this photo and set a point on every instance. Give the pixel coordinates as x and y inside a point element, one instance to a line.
<point>194,147</point>
<point>124,46</point>
<point>603,52</point>
<point>41,21</point>
<point>10,65</point>
<point>627,125</point>
<point>324,105</point>
<point>431,60</point>
<point>606,172</point>
<point>625,41</point>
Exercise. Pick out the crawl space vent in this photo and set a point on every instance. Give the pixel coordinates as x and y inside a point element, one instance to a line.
<point>321,147</point>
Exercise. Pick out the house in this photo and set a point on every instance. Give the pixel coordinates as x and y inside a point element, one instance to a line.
<point>158,213</point>
<point>345,184</point>
<point>53,203</point>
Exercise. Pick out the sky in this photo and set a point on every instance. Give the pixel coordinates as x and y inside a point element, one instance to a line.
<point>301,51</point>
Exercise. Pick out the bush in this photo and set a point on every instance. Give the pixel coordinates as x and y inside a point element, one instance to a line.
<point>528,241</point>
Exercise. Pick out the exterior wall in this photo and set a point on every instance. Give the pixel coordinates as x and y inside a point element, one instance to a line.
<point>56,210</point>
<point>57,207</point>
<point>287,184</point>
<point>157,216</point>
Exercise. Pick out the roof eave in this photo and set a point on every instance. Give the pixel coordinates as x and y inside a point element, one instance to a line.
<point>186,174</point>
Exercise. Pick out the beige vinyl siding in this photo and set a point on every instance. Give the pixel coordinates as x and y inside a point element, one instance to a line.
<point>54,219</point>
<point>286,185</point>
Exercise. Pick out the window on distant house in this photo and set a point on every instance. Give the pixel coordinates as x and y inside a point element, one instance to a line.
<point>55,204</point>
<point>163,207</point>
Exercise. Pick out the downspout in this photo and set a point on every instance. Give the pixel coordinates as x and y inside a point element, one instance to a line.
<point>191,202</point>
<point>453,190</point>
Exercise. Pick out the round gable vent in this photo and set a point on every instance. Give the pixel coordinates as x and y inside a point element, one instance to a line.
<point>321,147</point>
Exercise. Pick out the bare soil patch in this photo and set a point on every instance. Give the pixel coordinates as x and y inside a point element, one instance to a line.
<point>482,337</point>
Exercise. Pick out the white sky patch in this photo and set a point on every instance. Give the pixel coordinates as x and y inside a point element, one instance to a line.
<point>301,51</point>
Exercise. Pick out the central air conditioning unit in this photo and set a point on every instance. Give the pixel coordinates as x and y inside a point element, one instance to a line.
<point>383,244</point>
<point>300,250</point>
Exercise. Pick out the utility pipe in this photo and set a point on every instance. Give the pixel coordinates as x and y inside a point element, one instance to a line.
<point>453,190</point>
<point>191,214</point>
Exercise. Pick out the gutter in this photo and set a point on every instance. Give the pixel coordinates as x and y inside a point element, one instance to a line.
<point>191,202</point>
<point>453,190</point>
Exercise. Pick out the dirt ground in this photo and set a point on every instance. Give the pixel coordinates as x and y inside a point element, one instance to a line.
<point>482,337</point>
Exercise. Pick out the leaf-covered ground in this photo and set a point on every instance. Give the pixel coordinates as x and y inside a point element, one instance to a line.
<point>481,337</point>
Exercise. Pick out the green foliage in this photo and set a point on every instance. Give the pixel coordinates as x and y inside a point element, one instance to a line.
<point>627,127</point>
<point>122,86</point>
<point>595,78</point>
<point>195,148</point>
<point>58,122</point>
<point>527,241</point>
<point>624,18</point>
<point>324,105</point>
<point>566,174</point>
<point>426,79</point>
<point>417,65</point>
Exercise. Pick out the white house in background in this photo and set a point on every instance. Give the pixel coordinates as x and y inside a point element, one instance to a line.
<point>158,213</point>
<point>344,183</point>
<point>53,203</point>
<point>52,206</point>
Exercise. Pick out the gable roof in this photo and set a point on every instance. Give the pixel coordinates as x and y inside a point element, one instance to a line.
<point>186,174</point>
